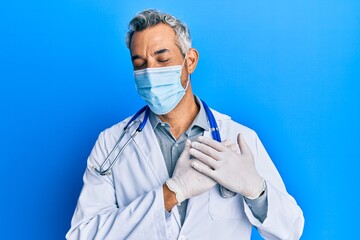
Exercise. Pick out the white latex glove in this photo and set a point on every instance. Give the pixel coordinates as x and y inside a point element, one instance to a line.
<point>229,144</point>
<point>186,182</point>
<point>234,170</point>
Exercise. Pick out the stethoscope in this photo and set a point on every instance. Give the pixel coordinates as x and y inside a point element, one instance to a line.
<point>213,128</point>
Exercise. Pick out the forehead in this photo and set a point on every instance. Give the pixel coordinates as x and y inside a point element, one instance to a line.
<point>153,38</point>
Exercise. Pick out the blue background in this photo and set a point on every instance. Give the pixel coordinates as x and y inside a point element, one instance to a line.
<point>289,70</point>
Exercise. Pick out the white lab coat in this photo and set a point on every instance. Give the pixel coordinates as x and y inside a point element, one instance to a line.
<point>129,204</point>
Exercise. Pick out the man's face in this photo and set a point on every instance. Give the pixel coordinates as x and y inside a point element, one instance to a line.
<point>156,47</point>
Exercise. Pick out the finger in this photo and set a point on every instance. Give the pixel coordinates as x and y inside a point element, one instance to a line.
<point>212,143</point>
<point>234,147</point>
<point>244,148</point>
<point>227,142</point>
<point>203,168</point>
<point>207,150</point>
<point>187,143</point>
<point>209,161</point>
<point>186,152</point>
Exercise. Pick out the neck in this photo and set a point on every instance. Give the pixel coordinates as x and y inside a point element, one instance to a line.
<point>182,116</point>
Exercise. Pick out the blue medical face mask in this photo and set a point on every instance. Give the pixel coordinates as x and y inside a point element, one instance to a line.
<point>160,87</point>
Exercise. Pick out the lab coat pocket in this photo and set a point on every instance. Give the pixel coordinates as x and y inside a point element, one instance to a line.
<point>225,208</point>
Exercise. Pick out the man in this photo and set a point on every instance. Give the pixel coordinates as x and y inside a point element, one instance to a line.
<point>175,180</point>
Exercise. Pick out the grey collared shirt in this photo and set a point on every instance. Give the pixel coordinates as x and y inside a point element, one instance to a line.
<point>171,149</point>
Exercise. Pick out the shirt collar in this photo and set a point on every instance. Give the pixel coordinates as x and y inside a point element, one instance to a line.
<point>199,121</point>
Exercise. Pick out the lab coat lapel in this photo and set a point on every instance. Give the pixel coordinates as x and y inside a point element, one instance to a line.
<point>197,203</point>
<point>149,146</point>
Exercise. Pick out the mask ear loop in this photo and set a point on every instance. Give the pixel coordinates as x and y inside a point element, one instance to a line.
<point>182,65</point>
<point>188,79</point>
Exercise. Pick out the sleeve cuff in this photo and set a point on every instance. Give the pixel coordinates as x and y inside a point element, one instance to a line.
<point>259,206</point>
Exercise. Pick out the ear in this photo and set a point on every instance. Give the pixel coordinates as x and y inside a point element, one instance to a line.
<point>192,58</point>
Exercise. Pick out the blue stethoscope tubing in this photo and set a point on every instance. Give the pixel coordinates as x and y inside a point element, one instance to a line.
<point>224,192</point>
<point>212,122</point>
<point>214,132</point>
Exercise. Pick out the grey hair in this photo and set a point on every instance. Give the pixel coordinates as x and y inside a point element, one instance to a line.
<point>152,17</point>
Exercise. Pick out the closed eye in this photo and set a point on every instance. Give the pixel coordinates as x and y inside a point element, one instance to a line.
<point>163,60</point>
<point>138,63</point>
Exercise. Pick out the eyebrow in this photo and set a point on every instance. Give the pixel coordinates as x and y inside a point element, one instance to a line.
<point>164,50</point>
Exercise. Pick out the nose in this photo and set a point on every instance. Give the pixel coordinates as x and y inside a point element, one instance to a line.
<point>151,63</point>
